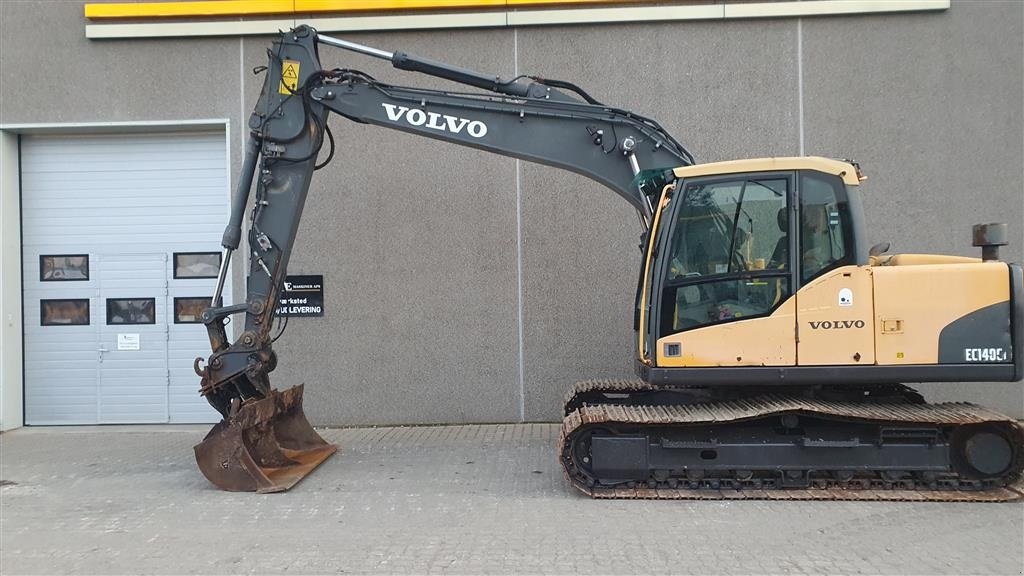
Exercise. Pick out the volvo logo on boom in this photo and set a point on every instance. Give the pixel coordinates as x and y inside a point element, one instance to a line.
<point>435,121</point>
<point>836,324</point>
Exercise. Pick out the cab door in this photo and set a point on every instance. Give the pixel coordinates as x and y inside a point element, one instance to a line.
<point>723,290</point>
<point>835,302</point>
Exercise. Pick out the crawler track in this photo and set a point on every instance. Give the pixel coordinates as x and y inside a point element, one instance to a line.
<point>843,449</point>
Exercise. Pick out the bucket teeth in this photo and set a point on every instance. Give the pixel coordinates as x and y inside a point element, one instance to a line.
<point>267,446</point>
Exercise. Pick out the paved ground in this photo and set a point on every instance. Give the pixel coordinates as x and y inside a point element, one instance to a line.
<point>460,500</point>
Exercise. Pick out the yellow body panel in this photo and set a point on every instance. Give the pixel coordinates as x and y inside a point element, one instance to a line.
<point>921,259</point>
<point>854,315</point>
<point>835,315</point>
<point>767,341</point>
<point>845,170</point>
<point>914,303</point>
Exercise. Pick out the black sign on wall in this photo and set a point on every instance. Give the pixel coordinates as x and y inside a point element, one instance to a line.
<point>302,296</point>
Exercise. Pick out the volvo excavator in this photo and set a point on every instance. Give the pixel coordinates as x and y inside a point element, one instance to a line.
<point>772,344</point>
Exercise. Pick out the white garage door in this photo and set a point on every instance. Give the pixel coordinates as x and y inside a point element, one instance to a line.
<point>121,240</point>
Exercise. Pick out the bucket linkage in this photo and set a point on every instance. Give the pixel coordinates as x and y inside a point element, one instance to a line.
<point>267,445</point>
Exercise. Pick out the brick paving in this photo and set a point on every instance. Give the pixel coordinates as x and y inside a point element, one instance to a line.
<point>450,500</point>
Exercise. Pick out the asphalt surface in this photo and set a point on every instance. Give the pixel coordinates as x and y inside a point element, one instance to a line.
<point>459,500</point>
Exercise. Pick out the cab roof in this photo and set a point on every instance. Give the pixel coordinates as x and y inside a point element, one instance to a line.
<point>845,170</point>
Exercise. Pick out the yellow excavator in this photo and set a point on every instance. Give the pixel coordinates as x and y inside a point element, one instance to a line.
<point>772,342</point>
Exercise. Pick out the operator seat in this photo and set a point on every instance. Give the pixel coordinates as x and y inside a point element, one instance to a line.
<point>780,256</point>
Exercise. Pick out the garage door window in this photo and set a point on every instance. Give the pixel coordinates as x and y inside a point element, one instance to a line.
<point>131,311</point>
<point>190,310</point>
<point>64,312</point>
<point>196,264</point>
<point>64,267</point>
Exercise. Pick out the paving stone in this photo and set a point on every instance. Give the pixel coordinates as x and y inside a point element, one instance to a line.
<point>440,500</point>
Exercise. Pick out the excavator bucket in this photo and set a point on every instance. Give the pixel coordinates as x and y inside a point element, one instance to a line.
<point>267,446</point>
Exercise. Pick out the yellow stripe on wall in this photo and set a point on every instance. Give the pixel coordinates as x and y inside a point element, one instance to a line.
<point>239,8</point>
<point>151,17</point>
<point>185,9</point>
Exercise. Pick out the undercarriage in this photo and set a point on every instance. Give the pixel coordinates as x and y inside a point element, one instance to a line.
<point>634,440</point>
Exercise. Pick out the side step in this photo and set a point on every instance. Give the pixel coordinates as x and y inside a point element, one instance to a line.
<point>267,446</point>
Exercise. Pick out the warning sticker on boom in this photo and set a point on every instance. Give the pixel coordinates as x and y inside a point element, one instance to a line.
<point>289,77</point>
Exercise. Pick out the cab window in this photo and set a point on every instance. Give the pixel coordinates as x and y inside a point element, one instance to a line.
<point>823,236</point>
<point>729,253</point>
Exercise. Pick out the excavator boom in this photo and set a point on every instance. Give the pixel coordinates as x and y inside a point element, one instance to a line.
<point>264,442</point>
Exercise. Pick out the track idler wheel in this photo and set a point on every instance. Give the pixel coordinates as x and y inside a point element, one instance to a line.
<point>266,446</point>
<point>983,451</point>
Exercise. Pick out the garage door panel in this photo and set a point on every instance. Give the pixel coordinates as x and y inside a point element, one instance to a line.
<point>128,201</point>
<point>191,184</point>
<point>166,239</point>
<point>191,408</point>
<point>127,229</point>
<point>186,336</point>
<point>134,381</point>
<point>182,351</point>
<point>67,395</point>
<point>117,281</point>
<point>127,211</point>
<point>117,278</point>
<point>71,363</point>
<point>191,187</point>
<point>115,142</point>
<point>181,359</point>
<point>128,370</point>
<point>135,366</point>
<point>105,159</point>
<point>33,313</point>
<point>136,415</point>
<point>83,339</point>
<point>65,406</point>
<point>67,359</point>
<point>72,179</point>
<point>99,161</point>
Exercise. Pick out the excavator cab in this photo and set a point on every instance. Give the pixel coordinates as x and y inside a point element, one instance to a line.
<point>758,273</point>
<point>734,242</point>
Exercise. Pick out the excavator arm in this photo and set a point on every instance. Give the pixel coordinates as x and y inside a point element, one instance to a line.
<point>264,442</point>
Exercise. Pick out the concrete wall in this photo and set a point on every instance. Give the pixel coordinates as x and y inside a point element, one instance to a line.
<point>465,287</point>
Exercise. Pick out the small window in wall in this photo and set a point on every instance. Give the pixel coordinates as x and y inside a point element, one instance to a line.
<point>64,267</point>
<point>196,264</point>
<point>64,312</point>
<point>131,311</point>
<point>189,310</point>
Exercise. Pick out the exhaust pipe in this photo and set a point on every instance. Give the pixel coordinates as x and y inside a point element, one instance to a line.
<point>989,237</point>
